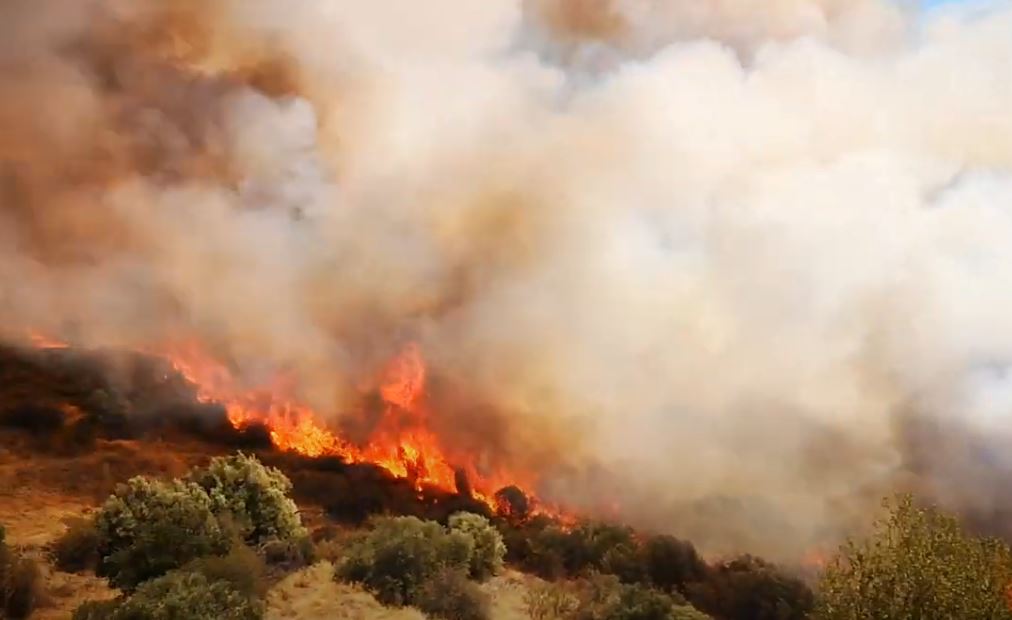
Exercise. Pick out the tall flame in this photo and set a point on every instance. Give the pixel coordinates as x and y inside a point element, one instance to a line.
<point>403,442</point>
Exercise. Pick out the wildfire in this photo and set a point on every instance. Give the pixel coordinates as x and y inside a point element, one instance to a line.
<point>402,443</point>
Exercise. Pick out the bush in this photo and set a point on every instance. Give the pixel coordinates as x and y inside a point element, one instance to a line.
<point>77,549</point>
<point>20,584</point>
<point>179,595</point>
<point>254,496</point>
<point>917,563</point>
<point>289,554</point>
<point>22,587</point>
<point>242,569</point>
<point>489,549</point>
<point>448,594</point>
<point>553,552</point>
<point>148,527</point>
<point>400,554</point>
<point>749,588</point>
<point>604,597</point>
<point>550,601</point>
<point>671,563</point>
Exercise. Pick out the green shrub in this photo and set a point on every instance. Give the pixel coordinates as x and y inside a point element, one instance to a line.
<point>253,495</point>
<point>688,612</point>
<point>749,588</point>
<point>671,563</point>
<point>448,594</point>
<point>178,595</point>
<point>554,551</point>
<point>399,554</point>
<point>489,549</point>
<point>77,549</point>
<point>148,527</point>
<point>242,569</point>
<point>604,597</point>
<point>20,583</point>
<point>917,563</point>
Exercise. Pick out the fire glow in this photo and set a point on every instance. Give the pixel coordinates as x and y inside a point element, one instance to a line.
<point>402,443</point>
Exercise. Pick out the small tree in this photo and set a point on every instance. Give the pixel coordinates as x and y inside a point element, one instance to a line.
<point>148,527</point>
<point>917,563</point>
<point>255,497</point>
<point>489,549</point>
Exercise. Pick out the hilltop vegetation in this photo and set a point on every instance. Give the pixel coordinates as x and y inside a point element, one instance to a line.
<point>226,540</point>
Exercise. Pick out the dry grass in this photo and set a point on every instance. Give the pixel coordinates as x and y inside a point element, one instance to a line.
<point>312,593</point>
<point>41,493</point>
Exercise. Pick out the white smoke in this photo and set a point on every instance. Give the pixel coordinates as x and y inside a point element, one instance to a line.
<point>728,240</point>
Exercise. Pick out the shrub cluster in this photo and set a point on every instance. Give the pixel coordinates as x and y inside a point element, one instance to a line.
<point>604,597</point>
<point>749,587</point>
<point>77,549</point>
<point>178,595</point>
<point>254,496</point>
<point>489,549</point>
<point>918,563</point>
<point>149,527</point>
<point>743,589</point>
<point>181,549</point>
<point>449,594</point>
<point>408,561</point>
<point>20,585</point>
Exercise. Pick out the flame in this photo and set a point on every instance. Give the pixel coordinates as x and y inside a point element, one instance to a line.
<point>403,442</point>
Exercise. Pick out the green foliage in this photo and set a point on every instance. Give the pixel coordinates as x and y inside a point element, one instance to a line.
<point>489,549</point>
<point>400,554</point>
<point>20,583</point>
<point>148,527</point>
<point>448,594</point>
<point>749,588</point>
<point>688,612</point>
<point>77,549</point>
<point>178,595</point>
<point>255,497</point>
<point>604,597</point>
<point>671,563</point>
<point>242,569</point>
<point>553,551</point>
<point>919,564</point>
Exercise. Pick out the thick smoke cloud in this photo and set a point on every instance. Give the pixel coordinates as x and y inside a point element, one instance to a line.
<point>730,251</point>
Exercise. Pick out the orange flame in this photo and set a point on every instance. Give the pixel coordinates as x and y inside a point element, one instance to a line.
<point>402,443</point>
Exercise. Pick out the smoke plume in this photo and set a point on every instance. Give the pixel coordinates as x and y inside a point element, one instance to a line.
<point>738,254</point>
